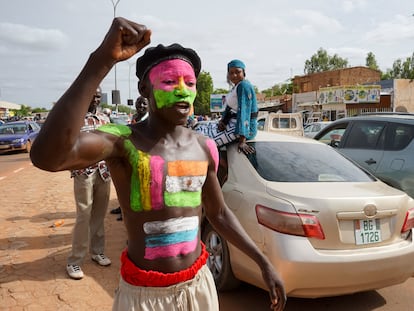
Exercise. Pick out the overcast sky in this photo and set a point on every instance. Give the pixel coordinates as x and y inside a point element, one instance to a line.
<point>45,43</point>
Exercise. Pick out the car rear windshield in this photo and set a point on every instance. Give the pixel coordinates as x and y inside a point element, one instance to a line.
<point>299,162</point>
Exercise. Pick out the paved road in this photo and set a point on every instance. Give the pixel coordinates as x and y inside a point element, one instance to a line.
<point>33,256</point>
<point>11,163</point>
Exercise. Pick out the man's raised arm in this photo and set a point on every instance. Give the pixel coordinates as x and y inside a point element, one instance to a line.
<point>60,145</point>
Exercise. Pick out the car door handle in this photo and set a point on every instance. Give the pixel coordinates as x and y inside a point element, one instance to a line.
<point>370,161</point>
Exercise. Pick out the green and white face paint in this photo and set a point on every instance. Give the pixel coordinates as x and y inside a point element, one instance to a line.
<point>173,81</point>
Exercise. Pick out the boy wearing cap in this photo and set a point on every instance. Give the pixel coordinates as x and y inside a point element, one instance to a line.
<point>162,171</point>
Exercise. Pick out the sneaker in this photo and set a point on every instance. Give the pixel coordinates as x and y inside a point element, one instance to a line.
<point>101,259</point>
<point>116,210</point>
<point>74,271</point>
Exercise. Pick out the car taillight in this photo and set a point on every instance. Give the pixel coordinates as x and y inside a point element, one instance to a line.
<point>409,221</point>
<point>290,223</point>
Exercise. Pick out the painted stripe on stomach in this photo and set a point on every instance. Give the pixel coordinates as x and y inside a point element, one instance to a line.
<point>170,238</point>
<point>171,225</point>
<point>173,250</point>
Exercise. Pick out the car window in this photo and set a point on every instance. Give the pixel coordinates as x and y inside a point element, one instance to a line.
<point>294,162</point>
<point>19,129</point>
<point>365,135</point>
<point>34,126</point>
<point>398,136</point>
<point>260,124</point>
<point>333,136</point>
<point>284,123</point>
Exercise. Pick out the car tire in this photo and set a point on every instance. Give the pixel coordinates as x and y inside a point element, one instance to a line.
<point>219,260</point>
<point>28,146</point>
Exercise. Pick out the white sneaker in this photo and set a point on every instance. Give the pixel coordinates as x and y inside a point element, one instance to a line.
<point>74,271</point>
<point>101,259</point>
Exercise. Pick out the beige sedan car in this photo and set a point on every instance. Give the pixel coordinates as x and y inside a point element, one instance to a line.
<point>329,227</point>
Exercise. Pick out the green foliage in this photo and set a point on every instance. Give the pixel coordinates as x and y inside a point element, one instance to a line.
<point>321,61</point>
<point>279,89</point>
<point>24,111</point>
<point>220,91</point>
<point>371,62</point>
<point>401,69</point>
<point>204,89</point>
<point>38,110</point>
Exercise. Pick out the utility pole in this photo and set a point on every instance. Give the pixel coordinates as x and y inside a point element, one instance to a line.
<point>116,96</point>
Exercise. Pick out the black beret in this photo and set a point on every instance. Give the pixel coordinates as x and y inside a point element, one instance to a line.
<point>155,55</point>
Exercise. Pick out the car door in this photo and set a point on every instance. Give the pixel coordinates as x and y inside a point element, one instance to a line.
<point>32,131</point>
<point>364,143</point>
<point>397,167</point>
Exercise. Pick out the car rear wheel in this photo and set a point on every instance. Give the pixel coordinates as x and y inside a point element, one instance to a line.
<point>219,260</point>
<point>28,146</point>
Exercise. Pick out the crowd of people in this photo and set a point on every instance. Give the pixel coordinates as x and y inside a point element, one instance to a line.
<point>164,173</point>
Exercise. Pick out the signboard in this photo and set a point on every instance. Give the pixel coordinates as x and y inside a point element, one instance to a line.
<point>217,102</point>
<point>350,94</point>
<point>362,94</point>
<point>330,95</point>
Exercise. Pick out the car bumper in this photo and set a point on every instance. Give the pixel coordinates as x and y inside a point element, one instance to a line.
<point>12,147</point>
<point>310,273</point>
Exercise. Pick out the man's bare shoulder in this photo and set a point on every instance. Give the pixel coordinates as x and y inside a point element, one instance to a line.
<point>118,130</point>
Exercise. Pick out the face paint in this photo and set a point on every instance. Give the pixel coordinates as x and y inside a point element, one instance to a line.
<point>173,81</point>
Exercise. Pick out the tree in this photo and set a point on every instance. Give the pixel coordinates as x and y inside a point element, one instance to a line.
<point>38,110</point>
<point>204,90</point>
<point>371,62</point>
<point>321,61</point>
<point>401,69</point>
<point>279,89</point>
<point>220,91</point>
<point>24,111</point>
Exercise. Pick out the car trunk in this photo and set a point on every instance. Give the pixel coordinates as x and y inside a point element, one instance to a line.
<point>349,219</point>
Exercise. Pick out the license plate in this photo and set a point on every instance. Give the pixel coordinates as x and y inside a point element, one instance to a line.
<point>367,231</point>
<point>4,146</point>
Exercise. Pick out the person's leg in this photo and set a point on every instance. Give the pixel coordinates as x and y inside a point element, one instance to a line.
<point>101,195</point>
<point>83,189</point>
<point>221,138</point>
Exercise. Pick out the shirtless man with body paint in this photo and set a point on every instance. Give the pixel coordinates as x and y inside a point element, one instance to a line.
<point>162,171</point>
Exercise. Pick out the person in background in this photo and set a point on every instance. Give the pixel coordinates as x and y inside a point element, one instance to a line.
<point>92,190</point>
<point>164,175</point>
<point>239,120</point>
<point>141,105</point>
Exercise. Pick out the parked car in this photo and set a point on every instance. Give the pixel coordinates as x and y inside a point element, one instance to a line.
<point>381,143</point>
<point>313,128</point>
<point>283,123</point>
<point>123,119</point>
<point>328,226</point>
<point>18,135</point>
